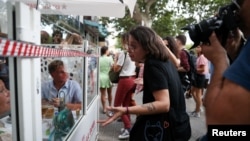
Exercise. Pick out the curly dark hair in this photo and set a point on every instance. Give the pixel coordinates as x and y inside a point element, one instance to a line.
<point>150,42</point>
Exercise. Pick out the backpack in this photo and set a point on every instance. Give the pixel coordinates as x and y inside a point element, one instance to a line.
<point>63,123</point>
<point>192,63</point>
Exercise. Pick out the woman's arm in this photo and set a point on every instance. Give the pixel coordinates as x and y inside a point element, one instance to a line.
<point>176,61</point>
<point>160,105</point>
<point>200,69</point>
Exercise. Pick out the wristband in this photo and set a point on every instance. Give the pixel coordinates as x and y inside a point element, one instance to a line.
<point>127,112</point>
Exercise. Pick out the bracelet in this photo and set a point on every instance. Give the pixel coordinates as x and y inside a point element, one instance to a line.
<point>127,112</point>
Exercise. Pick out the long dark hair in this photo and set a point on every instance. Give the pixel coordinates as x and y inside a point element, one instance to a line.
<point>150,42</point>
<point>172,45</point>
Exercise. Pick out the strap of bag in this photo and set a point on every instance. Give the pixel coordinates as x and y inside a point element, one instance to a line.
<point>124,60</point>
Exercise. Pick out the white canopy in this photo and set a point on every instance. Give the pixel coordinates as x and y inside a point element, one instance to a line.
<point>103,8</point>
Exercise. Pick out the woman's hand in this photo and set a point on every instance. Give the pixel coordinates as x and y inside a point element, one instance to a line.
<point>138,81</point>
<point>117,112</point>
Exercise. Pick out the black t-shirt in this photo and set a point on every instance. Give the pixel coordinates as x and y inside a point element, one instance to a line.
<point>163,75</point>
<point>160,75</point>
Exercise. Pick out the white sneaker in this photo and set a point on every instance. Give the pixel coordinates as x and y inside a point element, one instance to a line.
<point>122,130</point>
<point>195,114</point>
<point>124,135</point>
<point>201,109</point>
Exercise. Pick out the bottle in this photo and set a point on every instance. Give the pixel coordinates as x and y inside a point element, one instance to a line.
<point>77,113</point>
<point>62,101</point>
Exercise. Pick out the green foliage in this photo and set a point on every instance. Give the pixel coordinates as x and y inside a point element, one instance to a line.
<point>169,16</point>
<point>120,25</point>
<point>118,44</point>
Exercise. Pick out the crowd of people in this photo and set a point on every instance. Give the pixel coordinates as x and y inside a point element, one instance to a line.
<point>164,64</point>
<point>156,90</point>
<point>160,88</point>
<point>216,83</point>
<point>57,38</point>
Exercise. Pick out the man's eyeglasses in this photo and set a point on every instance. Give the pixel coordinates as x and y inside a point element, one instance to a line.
<point>4,91</point>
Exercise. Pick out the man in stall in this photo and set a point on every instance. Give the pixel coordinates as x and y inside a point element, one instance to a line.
<point>61,89</point>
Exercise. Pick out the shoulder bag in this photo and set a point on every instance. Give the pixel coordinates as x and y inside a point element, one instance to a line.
<point>114,76</point>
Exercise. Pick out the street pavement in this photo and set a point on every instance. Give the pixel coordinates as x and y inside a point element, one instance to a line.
<point>111,131</point>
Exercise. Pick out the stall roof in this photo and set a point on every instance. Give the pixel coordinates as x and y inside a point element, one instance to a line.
<point>103,8</point>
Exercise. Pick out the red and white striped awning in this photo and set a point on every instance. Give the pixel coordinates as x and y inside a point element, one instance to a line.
<point>11,48</point>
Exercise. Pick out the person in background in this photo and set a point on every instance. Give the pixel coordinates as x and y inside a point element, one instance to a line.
<point>170,42</point>
<point>92,65</point>
<point>4,72</point>
<point>172,48</point>
<point>61,87</point>
<point>105,85</point>
<point>44,37</point>
<point>73,39</point>
<point>184,66</point>
<point>4,99</point>
<point>193,58</point>
<point>111,54</point>
<point>162,92</point>
<point>200,81</point>
<point>57,37</point>
<point>126,85</point>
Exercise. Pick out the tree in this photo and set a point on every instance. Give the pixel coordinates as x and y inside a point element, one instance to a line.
<point>166,17</point>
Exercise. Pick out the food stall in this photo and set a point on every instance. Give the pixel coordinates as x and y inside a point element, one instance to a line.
<point>28,62</point>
